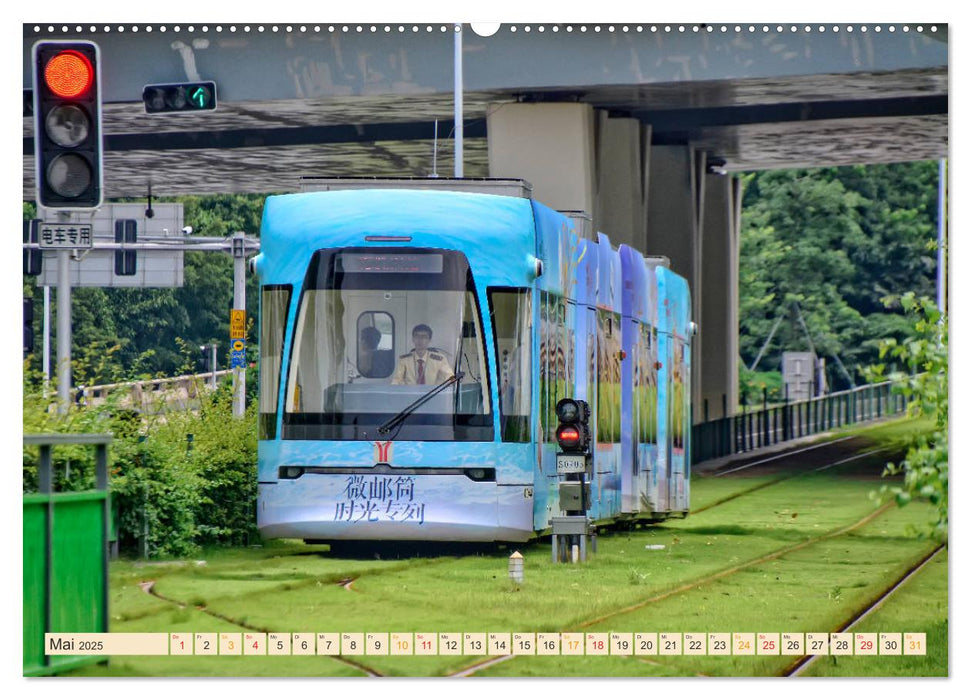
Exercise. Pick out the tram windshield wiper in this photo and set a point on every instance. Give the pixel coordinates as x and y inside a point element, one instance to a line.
<point>403,414</point>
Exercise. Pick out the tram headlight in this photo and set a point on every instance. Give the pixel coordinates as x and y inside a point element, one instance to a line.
<point>290,472</point>
<point>481,474</point>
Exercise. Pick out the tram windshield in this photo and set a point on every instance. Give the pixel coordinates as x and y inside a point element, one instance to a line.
<point>376,329</point>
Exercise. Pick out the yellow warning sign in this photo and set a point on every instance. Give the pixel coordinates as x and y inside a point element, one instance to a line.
<point>238,345</point>
<point>237,324</point>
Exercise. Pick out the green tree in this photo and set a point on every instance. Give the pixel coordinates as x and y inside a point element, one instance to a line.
<point>120,334</point>
<point>835,241</point>
<point>925,386</point>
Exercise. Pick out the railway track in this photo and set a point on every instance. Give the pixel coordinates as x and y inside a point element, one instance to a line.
<point>804,662</point>
<point>484,663</point>
<point>782,455</point>
<point>691,585</point>
<point>481,665</point>
<point>149,588</point>
<point>786,477</point>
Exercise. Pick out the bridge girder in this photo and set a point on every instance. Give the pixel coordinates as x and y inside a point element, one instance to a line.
<point>316,102</point>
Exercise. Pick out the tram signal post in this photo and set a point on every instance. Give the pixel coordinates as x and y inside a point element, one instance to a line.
<point>570,531</point>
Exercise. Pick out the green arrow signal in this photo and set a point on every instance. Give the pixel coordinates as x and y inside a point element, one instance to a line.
<point>199,97</point>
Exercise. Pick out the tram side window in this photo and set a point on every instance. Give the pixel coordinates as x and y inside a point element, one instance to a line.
<point>557,339</point>
<point>678,419</point>
<point>646,388</point>
<point>512,313</point>
<point>608,377</point>
<point>471,361</point>
<point>546,377</point>
<point>274,303</point>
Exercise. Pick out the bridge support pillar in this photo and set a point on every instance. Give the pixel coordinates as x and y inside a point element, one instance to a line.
<point>659,199</point>
<point>675,217</point>
<point>622,152</point>
<point>719,292</point>
<point>551,145</point>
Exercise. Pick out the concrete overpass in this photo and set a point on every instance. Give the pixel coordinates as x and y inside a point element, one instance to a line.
<point>640,125</point>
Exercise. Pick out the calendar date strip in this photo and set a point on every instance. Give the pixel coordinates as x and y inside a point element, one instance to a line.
<point>334,644</point>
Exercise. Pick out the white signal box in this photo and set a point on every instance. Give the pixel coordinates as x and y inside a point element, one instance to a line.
<point>160,267</point>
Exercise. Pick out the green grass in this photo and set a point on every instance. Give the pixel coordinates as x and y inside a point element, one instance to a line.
<point>809,590</point>
<point>896,432</point>
<point>289,587</point>
<point>920,605</point>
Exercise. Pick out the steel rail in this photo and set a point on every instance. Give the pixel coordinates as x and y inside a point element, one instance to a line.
<point>800,665</point>
<point>690,585</point>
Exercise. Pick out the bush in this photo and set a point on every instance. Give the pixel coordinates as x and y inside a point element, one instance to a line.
<point>224,459</point>
<point>155,492</point>
<point>751,385</point>
<point>188,478</point>
<point>925,387</point>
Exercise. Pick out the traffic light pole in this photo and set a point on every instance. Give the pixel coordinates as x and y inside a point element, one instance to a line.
<point>63,330</point>
<point>238,246</point>
<point>47,338</point>
<point>239,302</point>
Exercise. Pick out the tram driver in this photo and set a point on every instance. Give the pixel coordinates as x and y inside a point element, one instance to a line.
<point>423,365</point>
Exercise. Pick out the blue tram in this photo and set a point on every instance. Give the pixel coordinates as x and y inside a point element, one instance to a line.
<point>415,336</point>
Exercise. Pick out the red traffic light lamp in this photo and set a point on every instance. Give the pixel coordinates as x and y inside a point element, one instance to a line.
<point>573,432</point>
<point>67,124</point>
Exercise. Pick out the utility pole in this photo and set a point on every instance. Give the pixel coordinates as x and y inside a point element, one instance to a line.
<point>459,131</point>
<point>63,330</point>
<point>239,303</point>
<point>47,338</point>
<point>941,236</point>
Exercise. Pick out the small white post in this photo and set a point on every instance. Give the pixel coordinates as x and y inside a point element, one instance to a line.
<point>516,567</point>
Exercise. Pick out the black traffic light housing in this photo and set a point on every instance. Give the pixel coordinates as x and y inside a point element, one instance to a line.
<point>573,432</point>
<point>33,257</point>
<point>199,96</point>
<point>28,326</point>
<point>67,124</point>
<point>126,231</point>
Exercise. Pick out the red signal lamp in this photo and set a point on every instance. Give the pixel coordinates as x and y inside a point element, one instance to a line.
<point>67,125</point>
<point>568,436</point>
<point>573,432</point>
<point>69,74</point>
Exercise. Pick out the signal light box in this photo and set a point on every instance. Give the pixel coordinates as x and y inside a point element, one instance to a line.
<point>180,97</point>
<point>67,124</point>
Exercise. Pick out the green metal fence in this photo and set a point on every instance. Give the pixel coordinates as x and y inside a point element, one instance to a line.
<point>770,425</point>
<point>65,557</point>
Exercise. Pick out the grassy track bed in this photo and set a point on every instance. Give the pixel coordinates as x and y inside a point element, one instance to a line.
<point>474,593</point>
<point>919,605</point>
<point>289,587</point>
<point>813,589</point>
<point>710,490</point>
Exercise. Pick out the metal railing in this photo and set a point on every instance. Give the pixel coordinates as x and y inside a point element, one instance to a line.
<point>148,395</point>
<point>770,425</point>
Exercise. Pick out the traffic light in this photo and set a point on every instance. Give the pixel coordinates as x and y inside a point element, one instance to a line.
<point>67,124</point>
<point>180,97</point>
<point>126,231</point>
<point>28,326</point>
<point>33,257</point>
<point>573,432</point>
